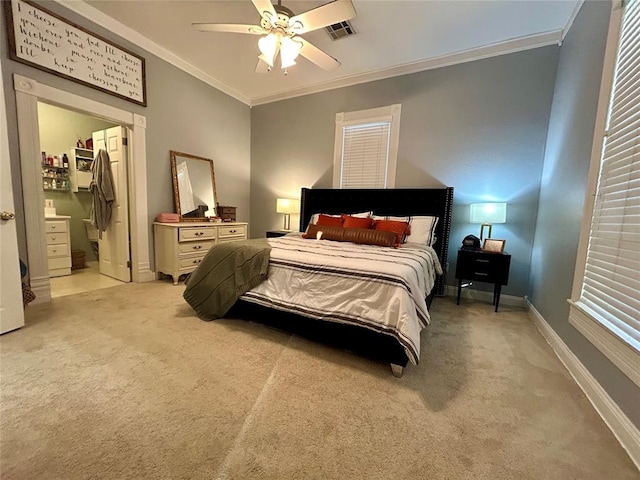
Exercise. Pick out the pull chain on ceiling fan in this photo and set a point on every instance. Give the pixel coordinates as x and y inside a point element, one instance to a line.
<point>280,28</point>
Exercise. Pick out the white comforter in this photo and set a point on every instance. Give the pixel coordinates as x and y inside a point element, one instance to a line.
<point>379,288</point>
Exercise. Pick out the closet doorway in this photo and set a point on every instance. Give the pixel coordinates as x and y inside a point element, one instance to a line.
<point>69,142</point>
<point>28,93</point>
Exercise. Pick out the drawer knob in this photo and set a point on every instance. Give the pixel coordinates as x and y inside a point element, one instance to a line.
<point>232,231</point>
<point>481,274</point>
<point>55,250</point>
<point>53,238</point>
<point>479,260</point>
<point>53,227</point>
<point>195,262</point>
<point>197,247</point>
<point>199,234</point>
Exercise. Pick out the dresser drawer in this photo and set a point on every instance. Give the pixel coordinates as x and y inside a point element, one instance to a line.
<point>56,238</point>
<point>53,226</point>
<point>59,250</point>
<point>193,247</point>
<point>235,231</point>
<point>57,263</point>
<point>187,234</point>
<point>190,262</point>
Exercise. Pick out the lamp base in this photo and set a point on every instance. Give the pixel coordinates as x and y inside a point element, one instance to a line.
<point>482,230</point>
<point>287,221</point>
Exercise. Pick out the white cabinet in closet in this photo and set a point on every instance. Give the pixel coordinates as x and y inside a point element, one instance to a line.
<point>180,247</point>
<point>80,160</point>
<point>58,245</point>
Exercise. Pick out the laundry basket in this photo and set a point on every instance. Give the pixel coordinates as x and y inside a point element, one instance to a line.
<point>78,259</point>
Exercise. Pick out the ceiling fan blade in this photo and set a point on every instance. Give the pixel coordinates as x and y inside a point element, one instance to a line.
<point>262,67</point>
<point>264,6</point>
<point>317,56</point>
<point>323,16</point>
<point>228,27</point>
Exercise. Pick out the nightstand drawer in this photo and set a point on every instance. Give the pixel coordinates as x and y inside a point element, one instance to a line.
<point>483,266</point>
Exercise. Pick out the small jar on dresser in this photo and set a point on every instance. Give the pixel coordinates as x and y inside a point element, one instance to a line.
<point>180,247</point>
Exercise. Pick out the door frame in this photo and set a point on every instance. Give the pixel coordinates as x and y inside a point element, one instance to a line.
<point>28,93</point>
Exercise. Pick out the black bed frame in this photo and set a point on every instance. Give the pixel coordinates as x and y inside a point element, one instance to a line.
<point>401,201</point>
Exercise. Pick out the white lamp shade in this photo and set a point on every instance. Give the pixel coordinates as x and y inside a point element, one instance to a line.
<point>488,213</point>
<point>287,205</point>
<point>289,50</point>
<point>269,47</point>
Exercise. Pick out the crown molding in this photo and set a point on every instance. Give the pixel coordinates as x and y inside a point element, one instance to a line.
<point>493,50</point>
<point>105,21</point>
<point>572,17</point>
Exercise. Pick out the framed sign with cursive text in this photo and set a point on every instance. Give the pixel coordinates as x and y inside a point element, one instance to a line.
<point>44,40</point>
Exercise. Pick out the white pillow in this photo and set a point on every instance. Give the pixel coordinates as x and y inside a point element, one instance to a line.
<point>423,228</point>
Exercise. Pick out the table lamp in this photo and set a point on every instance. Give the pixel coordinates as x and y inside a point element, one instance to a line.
<point>287,206</point>
<point>487,214</point>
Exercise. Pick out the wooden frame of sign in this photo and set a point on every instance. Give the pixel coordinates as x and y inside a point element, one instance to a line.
<point>44,40</point>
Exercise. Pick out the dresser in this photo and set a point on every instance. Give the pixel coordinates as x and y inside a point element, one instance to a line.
<point>57,230</point>
<point>180,247</point>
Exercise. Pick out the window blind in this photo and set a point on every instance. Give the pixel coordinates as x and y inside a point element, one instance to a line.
<point>365,154</point>
<point>611,285</point>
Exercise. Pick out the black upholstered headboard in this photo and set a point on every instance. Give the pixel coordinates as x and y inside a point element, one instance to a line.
<point>399,201</point>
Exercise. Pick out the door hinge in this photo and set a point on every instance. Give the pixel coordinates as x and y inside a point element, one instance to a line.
<point>128,263</point>
<point>125,141</point>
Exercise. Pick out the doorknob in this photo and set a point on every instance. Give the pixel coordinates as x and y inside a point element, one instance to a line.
<point>7,216</point>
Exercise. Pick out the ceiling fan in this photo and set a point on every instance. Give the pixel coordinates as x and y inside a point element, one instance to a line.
<point>280,28</point>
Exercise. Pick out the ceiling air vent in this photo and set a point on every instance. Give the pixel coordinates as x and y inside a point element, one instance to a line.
<point>340,30</point>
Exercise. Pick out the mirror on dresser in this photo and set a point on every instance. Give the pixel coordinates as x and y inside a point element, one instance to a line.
<point>194,187</point>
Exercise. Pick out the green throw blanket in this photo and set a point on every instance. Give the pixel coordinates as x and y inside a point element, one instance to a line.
<point>226,272</point>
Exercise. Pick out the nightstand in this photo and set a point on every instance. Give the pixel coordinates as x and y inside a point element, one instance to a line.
<point>483,266</point>
<point>277,233</point>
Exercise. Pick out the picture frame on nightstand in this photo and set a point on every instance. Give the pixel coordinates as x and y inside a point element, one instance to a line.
<point>493,245</point>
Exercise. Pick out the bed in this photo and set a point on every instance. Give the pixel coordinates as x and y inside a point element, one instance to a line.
<point>369,299</point>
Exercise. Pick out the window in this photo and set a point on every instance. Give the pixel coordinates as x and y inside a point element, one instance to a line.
<point>606,294</point>
<point>366,148</point>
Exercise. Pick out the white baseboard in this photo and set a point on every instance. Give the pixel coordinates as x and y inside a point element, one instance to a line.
<point>482,296</point>
<point>626,432</point>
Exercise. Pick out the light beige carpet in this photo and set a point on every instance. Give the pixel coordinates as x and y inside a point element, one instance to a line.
<point>126,382</point>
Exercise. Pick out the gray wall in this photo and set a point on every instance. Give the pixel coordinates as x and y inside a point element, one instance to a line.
<point>183,114</point>
<point>479,127</point>
<point>563,188</point>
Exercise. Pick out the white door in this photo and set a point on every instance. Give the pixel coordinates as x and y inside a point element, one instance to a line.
<point>114,249</point>
<point>11,312</point>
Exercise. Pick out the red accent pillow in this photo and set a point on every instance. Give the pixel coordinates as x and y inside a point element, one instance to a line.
<point>399,228</point>
<point>327,221</point>
<point>356,222</point>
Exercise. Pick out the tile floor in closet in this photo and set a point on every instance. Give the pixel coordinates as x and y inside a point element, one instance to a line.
<point>82,280</point>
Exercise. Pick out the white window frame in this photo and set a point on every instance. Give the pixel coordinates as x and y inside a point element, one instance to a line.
<point>621,353</point>
<point>361,117</point>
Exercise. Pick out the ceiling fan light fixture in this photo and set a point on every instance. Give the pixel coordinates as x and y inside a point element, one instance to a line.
<point>289,51</point>
<point>269,46</point>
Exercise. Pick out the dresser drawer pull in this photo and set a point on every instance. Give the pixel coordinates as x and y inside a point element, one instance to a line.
<point>199,234</point>
<point>197,247</point>
<point>54,250</point>
<point>53,227</point>
<point>232,231</point>
<point>481,274</point>
<point>482,261</point>
<point>53,238</point>
<point>196,262</point>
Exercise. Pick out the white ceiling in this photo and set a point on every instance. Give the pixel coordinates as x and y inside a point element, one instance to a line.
<point>393,38</point>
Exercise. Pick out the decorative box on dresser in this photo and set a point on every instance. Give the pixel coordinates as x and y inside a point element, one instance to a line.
<point>180,247</point>
<point>58,245</point>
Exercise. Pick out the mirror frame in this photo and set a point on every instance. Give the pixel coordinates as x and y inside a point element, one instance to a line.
<point>176,193</point>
